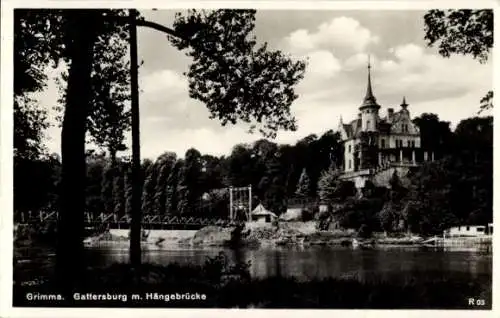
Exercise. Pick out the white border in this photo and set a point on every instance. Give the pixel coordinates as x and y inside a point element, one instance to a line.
<point>6,164</point>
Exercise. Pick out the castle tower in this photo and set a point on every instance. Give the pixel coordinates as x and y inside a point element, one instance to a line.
<point>369,108</point>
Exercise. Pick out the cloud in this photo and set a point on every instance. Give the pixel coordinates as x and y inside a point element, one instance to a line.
<point>218,141</point>
<point>359,60</point>
<point>160,83</point>
<point>323,64</point>
<point>413,71</point>
<point>341,33</point>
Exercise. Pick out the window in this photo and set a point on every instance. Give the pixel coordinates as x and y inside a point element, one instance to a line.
<point>467,228</point>
<point>480,229</point>
<point>408,143</point>
<point>382,143</point>
<point>349,149</point>
<point>349,163</point>
<point>368,124</point>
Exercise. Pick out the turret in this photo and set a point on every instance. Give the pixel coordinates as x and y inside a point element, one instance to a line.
<point>404,105</point>
<point>369,108</point>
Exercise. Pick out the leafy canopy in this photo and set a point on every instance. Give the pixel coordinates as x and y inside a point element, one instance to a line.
<point>236,78</point>
<point>467,32</point>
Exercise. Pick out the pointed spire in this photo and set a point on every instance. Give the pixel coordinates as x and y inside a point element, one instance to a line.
<point>340,120</point>
<point>404,105</point>
<point>369,99</point>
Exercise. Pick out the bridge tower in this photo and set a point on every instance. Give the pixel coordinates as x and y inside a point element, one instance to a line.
<point>240,202</point>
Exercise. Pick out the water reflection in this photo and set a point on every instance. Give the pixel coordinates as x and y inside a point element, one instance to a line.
<point>310,262</point>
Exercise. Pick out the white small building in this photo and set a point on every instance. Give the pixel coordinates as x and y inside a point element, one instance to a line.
<point>469,230</point>
<point>261,215</point>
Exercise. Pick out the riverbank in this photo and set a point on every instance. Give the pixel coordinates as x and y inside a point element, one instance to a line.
<point>251,235</point>
<point>255,234</point>
<point>227,285</point>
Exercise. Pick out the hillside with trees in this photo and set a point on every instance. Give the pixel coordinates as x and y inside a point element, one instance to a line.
<point>455,189</point>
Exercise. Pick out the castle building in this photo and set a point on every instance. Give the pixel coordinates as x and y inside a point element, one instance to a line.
<point>375,146</point>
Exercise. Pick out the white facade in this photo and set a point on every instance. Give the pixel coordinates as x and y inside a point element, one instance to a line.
<point>469,230</point>
<point>372,142</point>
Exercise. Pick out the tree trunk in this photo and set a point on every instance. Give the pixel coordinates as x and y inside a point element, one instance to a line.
<point>69,264</point>
<point>135,226</point>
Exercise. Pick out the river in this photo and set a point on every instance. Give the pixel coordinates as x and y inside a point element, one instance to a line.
<point>300,262</point>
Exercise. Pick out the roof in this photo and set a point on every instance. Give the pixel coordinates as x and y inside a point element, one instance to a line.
<point>353,128</point>
<point>260,210</point>
<point>369,100</point>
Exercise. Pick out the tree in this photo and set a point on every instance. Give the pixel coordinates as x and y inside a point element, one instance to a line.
<point>241,165</point>
<point>234,78</point>
<point>435,134</point>
<point>227,70</point>
<point>212,173</point>
<point>107,188</point>
<point>391,213</point>
<point>463,31</point>
<point>35,183</point>
<point>95,170</point>
<point>165,164</point>
<point>35,50</point>
<point>188,190</point>
<point>331,188</point>
<point>109,118</point>
<point>303,187</point>
<point>29,124</point>
<point>148,191</point>
<point>171,192</point>
<point>119,198</point>
<point>273,186</point>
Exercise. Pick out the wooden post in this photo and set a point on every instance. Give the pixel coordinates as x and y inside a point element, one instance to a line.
<point>249,203</point>
<point>231,203</point>
<point>135,226</point>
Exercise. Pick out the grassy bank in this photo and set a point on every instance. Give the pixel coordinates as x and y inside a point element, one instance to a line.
<point>227,286</point>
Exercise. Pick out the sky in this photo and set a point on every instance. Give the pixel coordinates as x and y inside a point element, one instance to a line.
<point>337,45</point>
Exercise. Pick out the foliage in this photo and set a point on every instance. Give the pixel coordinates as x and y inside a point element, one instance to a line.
<point>235,78</point>
<point>29,123</point>
<point>467,32</point>
<point>331,188</point>
<point>463,31</point>
<point>303,187</point>
<point>486,102</point>
<point>164,164</point>
<point>435,134</point>
<point>171,198</point>
<point>109,114</point>
<point>34,53</point>
<point>35,183</point>
<point>188,191</point>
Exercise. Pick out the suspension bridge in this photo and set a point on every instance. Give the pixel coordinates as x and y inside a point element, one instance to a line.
<point>114,221</point>
<point>238,211</point>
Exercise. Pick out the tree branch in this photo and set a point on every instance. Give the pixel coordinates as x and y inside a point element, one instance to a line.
<point>160,27</point>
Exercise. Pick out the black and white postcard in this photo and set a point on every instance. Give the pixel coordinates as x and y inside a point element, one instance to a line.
<point>250,155</point>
